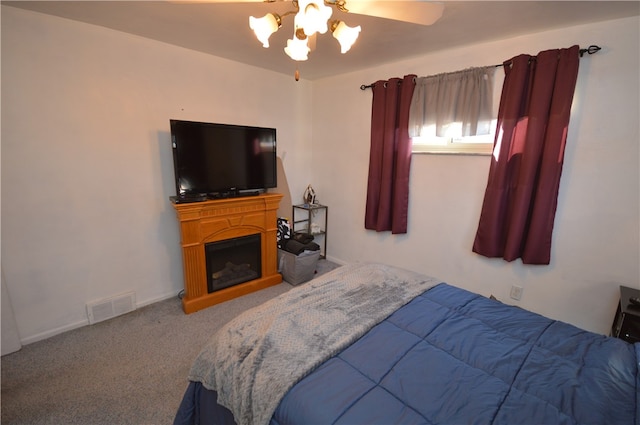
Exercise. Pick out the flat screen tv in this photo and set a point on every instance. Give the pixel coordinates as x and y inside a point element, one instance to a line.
<point>222,160</point>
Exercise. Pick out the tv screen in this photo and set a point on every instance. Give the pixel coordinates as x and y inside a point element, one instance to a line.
<point>218,160</point>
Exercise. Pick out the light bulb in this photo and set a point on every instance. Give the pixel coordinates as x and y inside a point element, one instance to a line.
<point>313,17</point>
<point>297,49</point>
<point>345,35</point>
<point>264,27</point>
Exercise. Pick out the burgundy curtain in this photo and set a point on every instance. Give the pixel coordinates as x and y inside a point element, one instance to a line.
<point>390,156</point>
<point>520,201</point>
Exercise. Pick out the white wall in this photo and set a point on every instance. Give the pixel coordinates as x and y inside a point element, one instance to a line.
<point>87,166</point>
<point>596,235</point>
<point>87,169</point>
<point>10,337</point>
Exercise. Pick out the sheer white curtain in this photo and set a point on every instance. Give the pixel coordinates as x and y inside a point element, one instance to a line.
<point>453,104</point>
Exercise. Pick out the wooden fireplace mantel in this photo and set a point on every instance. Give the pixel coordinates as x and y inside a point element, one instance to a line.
<point>221,219</point>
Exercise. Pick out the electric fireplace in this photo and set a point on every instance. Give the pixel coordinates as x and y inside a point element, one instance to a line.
<point>241,225</point>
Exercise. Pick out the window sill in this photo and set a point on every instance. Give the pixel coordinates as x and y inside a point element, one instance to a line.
<point>483,150</point>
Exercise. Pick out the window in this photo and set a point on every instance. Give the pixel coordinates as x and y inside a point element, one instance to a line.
<point>452,142</point>
<point>478,145</point>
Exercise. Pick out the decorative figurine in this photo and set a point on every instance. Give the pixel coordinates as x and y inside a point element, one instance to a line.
<point>309,196</point>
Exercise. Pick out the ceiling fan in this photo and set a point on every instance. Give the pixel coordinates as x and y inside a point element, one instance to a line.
<point>314,16</point>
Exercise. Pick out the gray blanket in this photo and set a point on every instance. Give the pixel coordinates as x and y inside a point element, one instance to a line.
<point>256,358</point>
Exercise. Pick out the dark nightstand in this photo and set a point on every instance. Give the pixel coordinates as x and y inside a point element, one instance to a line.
<point>626,324</point>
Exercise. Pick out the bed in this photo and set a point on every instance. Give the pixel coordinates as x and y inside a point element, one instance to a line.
<point>375,344</point>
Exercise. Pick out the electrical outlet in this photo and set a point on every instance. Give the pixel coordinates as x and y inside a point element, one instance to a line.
<point>516,292</point>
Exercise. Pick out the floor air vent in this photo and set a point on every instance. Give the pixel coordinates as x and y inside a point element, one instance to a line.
<point>111,307</point>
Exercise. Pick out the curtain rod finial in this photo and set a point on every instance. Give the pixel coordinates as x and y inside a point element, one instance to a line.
<point>591,50</point>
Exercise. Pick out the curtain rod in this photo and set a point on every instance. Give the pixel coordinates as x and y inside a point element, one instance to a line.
<point>590,50</point>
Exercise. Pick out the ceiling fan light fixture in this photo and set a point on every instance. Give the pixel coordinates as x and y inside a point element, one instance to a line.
<point>265,26</point>
<point>300,35</point>
<point>345,35</point>
<point>313,17</point>
<point>297,49</point>
<point>310,17</point>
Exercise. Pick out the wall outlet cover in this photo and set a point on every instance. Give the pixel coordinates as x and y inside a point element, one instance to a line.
<point>516,292</point>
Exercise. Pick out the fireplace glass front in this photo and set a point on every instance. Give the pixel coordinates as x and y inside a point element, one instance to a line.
<point>233,261</point>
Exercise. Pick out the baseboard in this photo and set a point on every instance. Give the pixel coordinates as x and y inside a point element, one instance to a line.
<point>62,329</point>
<point>336,260</point>
<point>53,332</point>
<point>157,299</point>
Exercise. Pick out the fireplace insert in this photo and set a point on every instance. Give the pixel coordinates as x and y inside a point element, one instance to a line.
<point>233,261</point>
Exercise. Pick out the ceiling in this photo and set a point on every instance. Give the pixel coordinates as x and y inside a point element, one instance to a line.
<point>222,29</point>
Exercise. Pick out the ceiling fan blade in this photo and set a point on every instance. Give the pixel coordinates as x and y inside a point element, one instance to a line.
<point>414,11</point>
<point>417,12</point>
<point>216,1</point>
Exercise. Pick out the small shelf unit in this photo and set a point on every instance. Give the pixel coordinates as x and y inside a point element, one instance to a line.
<point>312,219</point>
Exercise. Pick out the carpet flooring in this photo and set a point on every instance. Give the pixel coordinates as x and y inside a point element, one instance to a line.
<point>128,370</point>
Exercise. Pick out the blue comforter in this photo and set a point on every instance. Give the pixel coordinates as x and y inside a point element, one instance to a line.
<point>454,357</point>
<point>451,356</point>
